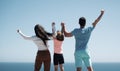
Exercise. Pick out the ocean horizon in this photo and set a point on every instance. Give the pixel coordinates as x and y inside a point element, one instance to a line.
<point>19,66</point>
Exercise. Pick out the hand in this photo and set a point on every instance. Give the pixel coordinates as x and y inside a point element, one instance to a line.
<point>62,24</point>
<point>18,31</point>
<point>102,11</point>
<point>53,23</point>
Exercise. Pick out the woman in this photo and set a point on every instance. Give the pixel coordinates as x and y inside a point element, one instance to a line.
<point>43,54</point>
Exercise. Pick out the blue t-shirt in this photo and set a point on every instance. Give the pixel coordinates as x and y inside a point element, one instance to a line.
<point>82,36</point>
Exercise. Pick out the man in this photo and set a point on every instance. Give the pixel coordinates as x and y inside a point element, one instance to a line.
<point>82,36</point>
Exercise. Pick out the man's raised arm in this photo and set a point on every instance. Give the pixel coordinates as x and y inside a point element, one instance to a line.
<point>98,19</point>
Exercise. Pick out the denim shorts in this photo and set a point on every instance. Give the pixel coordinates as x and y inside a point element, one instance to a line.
<point>81,57</point>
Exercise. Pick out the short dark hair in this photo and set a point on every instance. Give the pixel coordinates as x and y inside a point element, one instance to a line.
<point>82,21</point>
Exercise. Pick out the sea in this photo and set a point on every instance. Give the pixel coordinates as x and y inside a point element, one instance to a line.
<point>16,66</point>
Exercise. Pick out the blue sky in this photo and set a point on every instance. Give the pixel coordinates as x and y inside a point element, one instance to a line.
<point>104,43</point>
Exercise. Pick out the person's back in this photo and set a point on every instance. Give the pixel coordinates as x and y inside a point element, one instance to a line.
<point>40,39</point>
<point>82,36</point>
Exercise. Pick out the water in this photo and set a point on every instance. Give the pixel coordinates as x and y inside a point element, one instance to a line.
<point>67,66</point>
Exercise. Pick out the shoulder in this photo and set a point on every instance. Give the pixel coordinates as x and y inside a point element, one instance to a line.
<point>34,37</point>
<point>75,31</point>
<point>90,28</point>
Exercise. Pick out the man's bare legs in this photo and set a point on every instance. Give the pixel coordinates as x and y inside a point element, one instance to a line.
<point>88,68</point>
<point>79,69</point>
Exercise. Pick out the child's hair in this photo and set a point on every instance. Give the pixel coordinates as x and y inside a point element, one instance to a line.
<point>82,21</point>
<point>60,36</point>
<point>41,33</point>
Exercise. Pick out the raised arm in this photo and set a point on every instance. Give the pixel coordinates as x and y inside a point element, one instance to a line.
<point>98,19</point>
<point>24,36</point>
<point>65,32</point>
<point>53,29</point>
<point>62,29</point>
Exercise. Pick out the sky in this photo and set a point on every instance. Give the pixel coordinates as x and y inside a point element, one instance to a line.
<point>104,44</point>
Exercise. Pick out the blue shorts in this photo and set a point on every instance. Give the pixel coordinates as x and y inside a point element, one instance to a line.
<point>80,57</point>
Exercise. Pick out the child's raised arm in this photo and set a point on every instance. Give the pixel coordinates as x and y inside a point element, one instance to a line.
<point>62,29</point>
<point>53,28</point>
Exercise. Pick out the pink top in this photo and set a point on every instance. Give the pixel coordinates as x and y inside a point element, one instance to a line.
<point>57,46</point>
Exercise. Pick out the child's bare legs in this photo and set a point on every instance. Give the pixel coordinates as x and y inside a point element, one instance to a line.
<point>61,67</point>
<point>55,67</point>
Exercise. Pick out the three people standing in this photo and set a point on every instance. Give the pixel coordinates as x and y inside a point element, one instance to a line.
<point>81,54</point>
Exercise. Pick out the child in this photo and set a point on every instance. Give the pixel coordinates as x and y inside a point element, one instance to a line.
<point>58,58</point>
<point>43,54</point>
